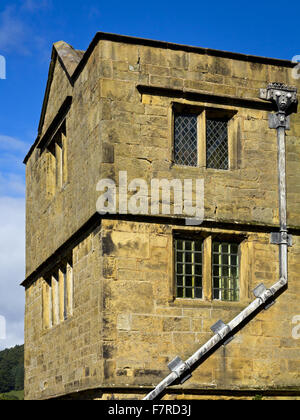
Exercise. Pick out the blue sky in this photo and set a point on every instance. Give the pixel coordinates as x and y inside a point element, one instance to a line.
<point>27,30</point>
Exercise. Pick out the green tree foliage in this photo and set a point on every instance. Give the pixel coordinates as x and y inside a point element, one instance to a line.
<point>12,369</point>
<point>7,397</point>
<point>19,377</point>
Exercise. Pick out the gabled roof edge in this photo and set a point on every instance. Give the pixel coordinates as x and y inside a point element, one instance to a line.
<point>173,46</point>
<point>48,86</point>
<point>55,56</point>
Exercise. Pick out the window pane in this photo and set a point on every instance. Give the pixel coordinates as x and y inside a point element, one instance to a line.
<point>217,144</point>
<point>185,139</point>
<point>189,281</point>
<point>188,246</point>
<point>216,294</point>
<point>198,246</point>
<point>179,244</point>
<point>188,257</point>
<point>188,266</point>
<point>188,269</point>
<point>179,281</point>
<point>225,259</point>
<point>179,292</point>
<point>234,260</point>
<point>216,270</point>
<point>224,248</point>
<point>216,259</point>
<point>198,270</point>
<point>234,248</point>
<point>179,269</point>
<point>198,258</point>
<point>225,271</point>
<point>198,293</point>
<point>198,282</point>
<point>234,271</point>
<point>216,246</point>
<point>216,282</point>
<point>189,293</point>
<point>180,257</point>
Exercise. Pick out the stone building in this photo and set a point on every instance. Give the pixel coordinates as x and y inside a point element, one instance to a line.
<point>112,299</point>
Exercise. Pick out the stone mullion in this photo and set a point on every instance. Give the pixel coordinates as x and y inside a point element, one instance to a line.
<point>55,301</point>
<point>201,128</point>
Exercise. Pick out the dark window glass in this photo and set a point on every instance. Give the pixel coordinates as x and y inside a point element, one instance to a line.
<point>226,272</point>
<point>186,144</point>
<point>217,144</point>
<point>188,265</point>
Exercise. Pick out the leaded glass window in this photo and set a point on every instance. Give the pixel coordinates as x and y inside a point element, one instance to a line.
<point>188,267</point>
<point>217,144</point>
<point>225,268</point>
<point>186,140</point>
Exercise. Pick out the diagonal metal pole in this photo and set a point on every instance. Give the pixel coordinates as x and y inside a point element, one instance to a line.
<point>284,97</point>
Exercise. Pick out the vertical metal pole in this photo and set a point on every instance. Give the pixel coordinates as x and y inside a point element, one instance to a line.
<point>284,97</point>
<point>283,248</point>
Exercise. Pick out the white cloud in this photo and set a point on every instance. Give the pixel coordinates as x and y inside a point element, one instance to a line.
<point>13,32</point>
<point>14,335</point>
<point>12,185</point>
<point>12,144</point>
<point>12,267</point>
<point>12,170</point>
<point>16,35</point>
<point>12,237</point>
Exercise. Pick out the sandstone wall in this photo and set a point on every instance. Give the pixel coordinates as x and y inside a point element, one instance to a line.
<point>113,127</point>
<point>126,325</point>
